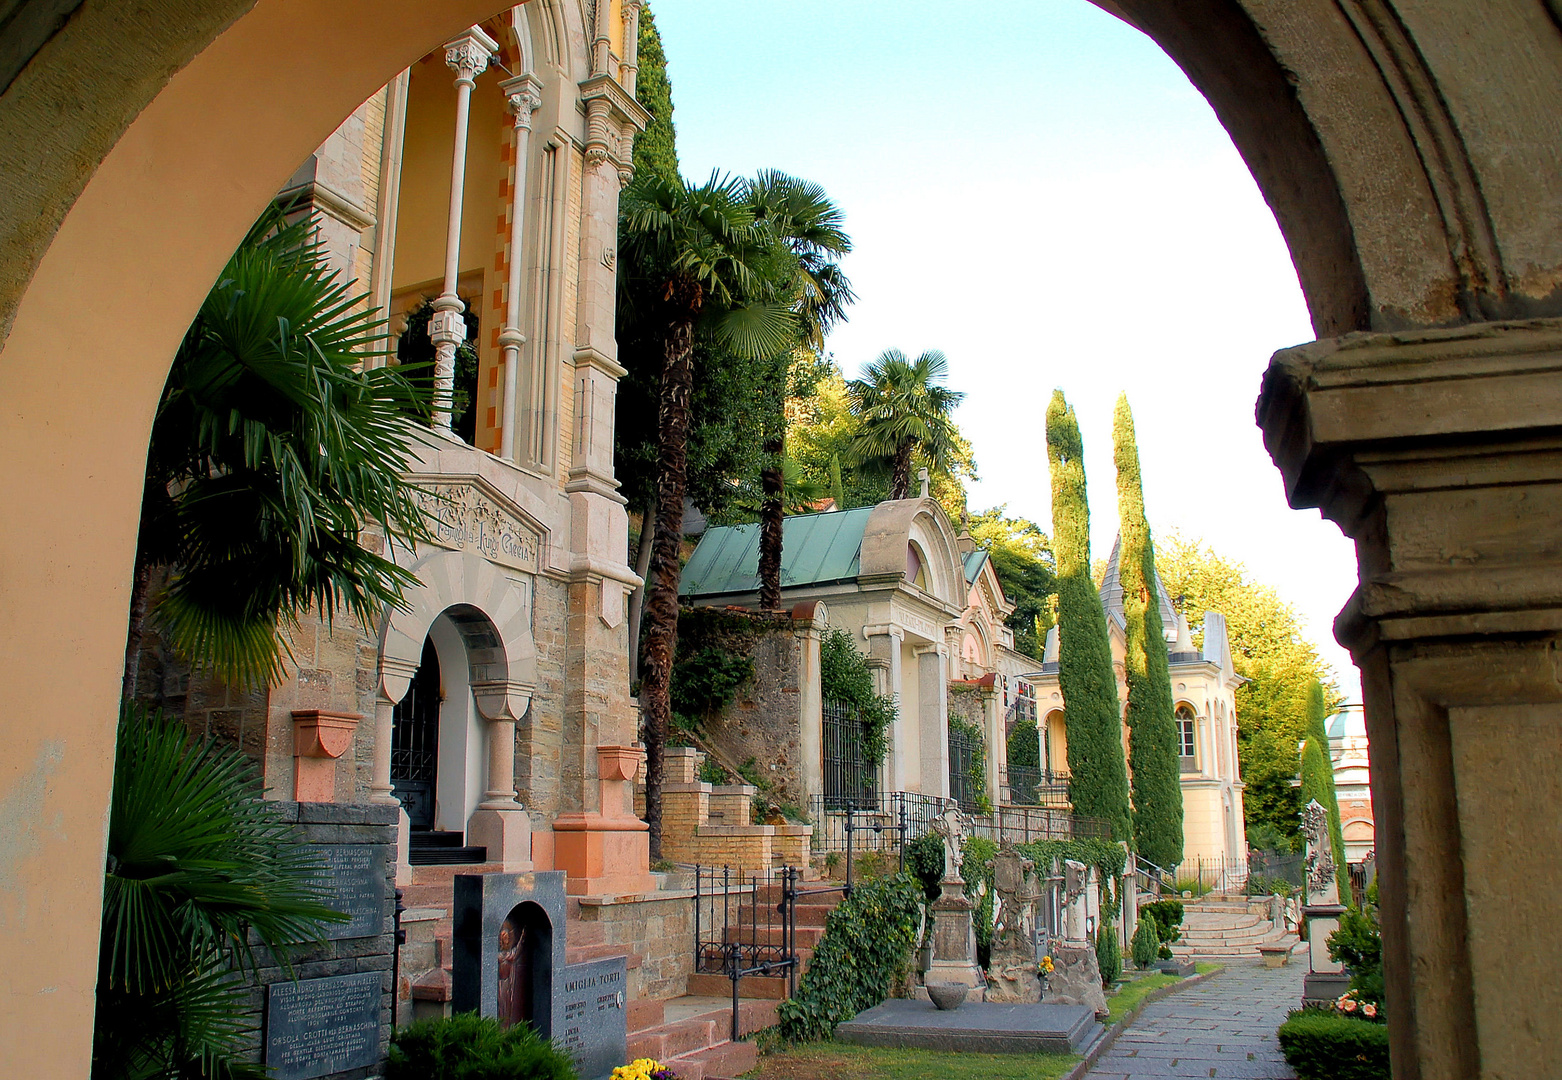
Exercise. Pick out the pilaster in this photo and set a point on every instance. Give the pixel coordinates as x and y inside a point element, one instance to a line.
<point>933,721</point>
<point>1440,454</point>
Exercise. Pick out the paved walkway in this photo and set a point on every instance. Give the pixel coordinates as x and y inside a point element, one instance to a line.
<point>1224,1027</point>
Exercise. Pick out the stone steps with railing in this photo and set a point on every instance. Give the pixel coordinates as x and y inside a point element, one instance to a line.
<point>1227,927</point>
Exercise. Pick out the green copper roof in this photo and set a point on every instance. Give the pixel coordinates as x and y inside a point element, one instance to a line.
<point>973,564</point>
<point>815,548</point>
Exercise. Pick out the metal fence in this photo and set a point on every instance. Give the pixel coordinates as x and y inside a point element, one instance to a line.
<point>1032,786</point>
<point>745,923</point>
<point>1265,868</point>
<point>964,750</point>
<point>875,821</point>
<point>847,776</point>
<point>1210,874</point>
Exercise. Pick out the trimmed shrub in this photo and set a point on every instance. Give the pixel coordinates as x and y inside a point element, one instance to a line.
<point>1147,941</point>
<point>1152,729</point>
<point>471,1047</point>
<point>1323,1045</point>
<point>1098,773</point>
<point>1109,954</point>
<point>1167,915</point>
<point>865,948</point>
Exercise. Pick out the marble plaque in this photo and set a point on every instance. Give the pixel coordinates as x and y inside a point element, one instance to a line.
<point>354,881</point>
<point>315,1027</point>
<point>592,1000</point>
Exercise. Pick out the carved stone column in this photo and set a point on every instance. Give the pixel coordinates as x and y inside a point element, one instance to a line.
<point>524,92</point>
<point>1440,453</point>
<point>468,57</point>
<point>500,823</point>
<point>395,679</point>
<point>933,721</point>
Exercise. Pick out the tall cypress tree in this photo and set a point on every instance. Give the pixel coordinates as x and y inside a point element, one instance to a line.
<point>1152,728</point>
<point>1318,783</point>
<point>656,148</point>
<point>1092,717</point>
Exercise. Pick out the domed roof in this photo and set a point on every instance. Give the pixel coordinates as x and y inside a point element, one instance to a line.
<point>1348,723</point>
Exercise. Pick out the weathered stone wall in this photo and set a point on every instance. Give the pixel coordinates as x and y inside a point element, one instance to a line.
<point>539,738</point>
<point>659,928</point>
<point>762,721</point>
<point>965,703</point>
<point>370,825</point>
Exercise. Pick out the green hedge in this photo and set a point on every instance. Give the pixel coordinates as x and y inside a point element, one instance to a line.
<point>471,1047</point>
<point>865,948</point>
<point>1323,1045</point>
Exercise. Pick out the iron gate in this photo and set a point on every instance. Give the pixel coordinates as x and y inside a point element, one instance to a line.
<point>849,779</point>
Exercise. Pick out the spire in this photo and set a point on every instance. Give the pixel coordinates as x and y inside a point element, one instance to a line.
<point>1049,653</point>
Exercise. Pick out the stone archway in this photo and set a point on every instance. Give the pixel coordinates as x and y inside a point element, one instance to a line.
<point>1410,154</point>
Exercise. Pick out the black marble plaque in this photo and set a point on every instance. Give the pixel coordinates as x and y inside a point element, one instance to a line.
<point>354,880</point>
<point>315,1027</point>
<point>594,1023</point>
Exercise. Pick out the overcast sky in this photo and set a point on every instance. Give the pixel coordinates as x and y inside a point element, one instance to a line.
<point>1034,188</point>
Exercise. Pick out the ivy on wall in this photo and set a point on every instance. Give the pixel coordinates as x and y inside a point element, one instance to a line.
<point>866,948</point>
<point>976,771</point>
<point>846,677</point>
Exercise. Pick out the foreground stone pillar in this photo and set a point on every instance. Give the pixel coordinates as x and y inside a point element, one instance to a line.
<point>1440,454</point>
<point>607,852</point>
<point>319,739</point>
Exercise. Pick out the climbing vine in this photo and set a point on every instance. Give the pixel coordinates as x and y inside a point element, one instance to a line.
<point>865,950</point>
<point>976,771</point>
<point>845,677</point>
<point>1109,859</point>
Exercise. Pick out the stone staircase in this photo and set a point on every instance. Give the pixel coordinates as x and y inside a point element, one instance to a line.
<point>691,1033</point>
<point>812,911</point>
<point>1229,926</point>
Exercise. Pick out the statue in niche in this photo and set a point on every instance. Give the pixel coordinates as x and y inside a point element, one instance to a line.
<point>515,974</point>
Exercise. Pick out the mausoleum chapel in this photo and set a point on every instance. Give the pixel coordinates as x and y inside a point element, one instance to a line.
<point>464,165</point>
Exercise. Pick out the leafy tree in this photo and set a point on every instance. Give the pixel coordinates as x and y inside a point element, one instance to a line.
<point>1099,776</point>
<point>1317,775</point>
<point>198,864</point>
<point>276,453</point>
<point>694,257</point>
<point>1152,729</point>
<point>1022,558</point>
<point>1271,651</point>
<point>805,228</point>
<point>900,408</point>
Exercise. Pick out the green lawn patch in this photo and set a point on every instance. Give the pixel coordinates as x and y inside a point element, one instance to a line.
<point>811,1061</point>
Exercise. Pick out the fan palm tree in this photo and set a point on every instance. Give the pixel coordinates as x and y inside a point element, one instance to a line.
<point>200,871</point>
<point>901,408</point>
<point>275,452</point>
<point>695,253</point>
<point>806,228</point>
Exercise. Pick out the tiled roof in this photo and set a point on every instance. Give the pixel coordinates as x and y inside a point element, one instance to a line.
<point>1112,594</point>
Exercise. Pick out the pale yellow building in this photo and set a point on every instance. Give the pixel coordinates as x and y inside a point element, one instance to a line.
<point>1204,684</point>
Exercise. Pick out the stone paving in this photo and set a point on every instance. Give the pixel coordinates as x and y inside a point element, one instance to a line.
<point>1224,1027</point>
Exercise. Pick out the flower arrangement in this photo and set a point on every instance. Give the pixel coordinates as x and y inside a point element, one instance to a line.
<point>1044,968</point>
<point>1350,1003</point>
<point>643,1069</point>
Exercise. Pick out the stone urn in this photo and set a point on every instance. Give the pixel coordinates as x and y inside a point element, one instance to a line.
<point>947,995</point>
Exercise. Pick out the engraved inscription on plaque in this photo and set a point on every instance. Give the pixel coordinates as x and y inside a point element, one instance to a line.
<point>594,1022</point>
<point>315,1027</point>
<point>354,883</point>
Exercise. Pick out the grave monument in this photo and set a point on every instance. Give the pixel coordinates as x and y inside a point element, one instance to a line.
<point>509,962</point>
<point>1076,975</point>
<point>1326,979</point>
<point>1012,974</point>
<point>954,937</point>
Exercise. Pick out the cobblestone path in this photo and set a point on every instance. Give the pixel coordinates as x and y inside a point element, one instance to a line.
<point>1224,1027</point>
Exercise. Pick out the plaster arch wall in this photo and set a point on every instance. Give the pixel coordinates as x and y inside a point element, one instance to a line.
<point>1411,155</point>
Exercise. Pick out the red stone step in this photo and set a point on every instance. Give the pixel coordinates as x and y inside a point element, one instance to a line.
<point>768,987</point>
<point>807,936</point>
<point>726,1059</point>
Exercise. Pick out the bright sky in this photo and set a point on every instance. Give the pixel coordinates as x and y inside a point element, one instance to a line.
<point>1035,189</point>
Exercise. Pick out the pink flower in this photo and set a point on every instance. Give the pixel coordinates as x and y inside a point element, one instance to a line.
<point>1348,1005</point>
<point>1369,1010</point>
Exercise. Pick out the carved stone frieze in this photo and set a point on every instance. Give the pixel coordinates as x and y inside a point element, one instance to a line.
<point>465,517</point>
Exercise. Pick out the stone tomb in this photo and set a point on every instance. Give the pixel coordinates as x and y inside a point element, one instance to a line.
<point>508,936</point>
<point>975,1027</point>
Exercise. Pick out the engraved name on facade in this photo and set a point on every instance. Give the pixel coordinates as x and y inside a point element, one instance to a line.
<point>464,518</point>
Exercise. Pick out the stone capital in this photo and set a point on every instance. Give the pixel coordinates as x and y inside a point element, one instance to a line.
<point>469,53</point>
<point>1440,453</point>
<point>524,94</point>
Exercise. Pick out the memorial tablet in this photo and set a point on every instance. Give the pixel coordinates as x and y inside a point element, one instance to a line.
<point>595,1023</point>
<point>315,1027</point>
<point>354,883</point>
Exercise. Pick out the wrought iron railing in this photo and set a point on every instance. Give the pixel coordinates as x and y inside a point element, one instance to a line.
<point>875,822</point>
<point>1032,786</point>
<point>847,774</point>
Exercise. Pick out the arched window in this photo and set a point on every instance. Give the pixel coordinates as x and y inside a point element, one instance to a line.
<point>916,571</point>
<point>1185,743</point>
